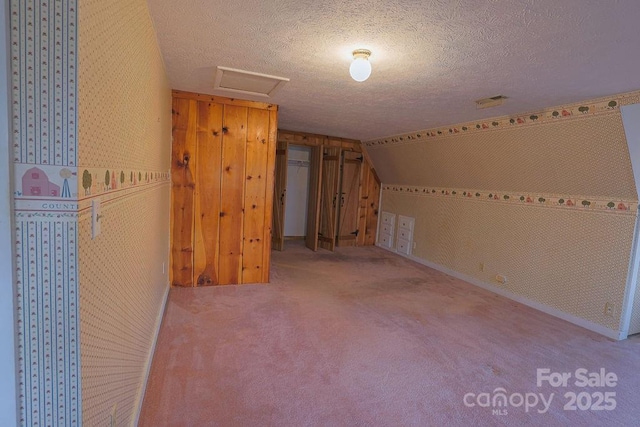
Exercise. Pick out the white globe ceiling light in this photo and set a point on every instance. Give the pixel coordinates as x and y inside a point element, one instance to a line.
<point>360,68</point>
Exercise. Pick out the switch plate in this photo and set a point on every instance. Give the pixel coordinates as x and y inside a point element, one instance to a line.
<point>95,218</point>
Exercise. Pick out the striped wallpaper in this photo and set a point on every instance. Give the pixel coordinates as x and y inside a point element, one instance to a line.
<point>44,63</point>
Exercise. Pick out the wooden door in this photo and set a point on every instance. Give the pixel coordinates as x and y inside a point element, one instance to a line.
<point>313,207</point>
<point>349,199</point>
<point>182,191</point>
<point>280,195</point>
<point>370,200</point>
<point>208,187</point>
<point>329,197</point>
<point>234,138</point>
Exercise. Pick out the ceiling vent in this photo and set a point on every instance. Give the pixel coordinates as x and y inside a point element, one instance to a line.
<point>247,82</point>
<point>494,101</point>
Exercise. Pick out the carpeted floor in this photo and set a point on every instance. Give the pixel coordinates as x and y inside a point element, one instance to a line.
<point>362,337</point>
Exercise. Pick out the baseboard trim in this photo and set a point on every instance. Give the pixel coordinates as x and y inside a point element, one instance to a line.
<point>151,353</point>
<point>592,326</point>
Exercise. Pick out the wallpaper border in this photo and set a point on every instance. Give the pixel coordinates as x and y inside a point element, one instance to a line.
<point>93,182</point>
<point>605,105</point>
<point>84,206</point>
<point>556,201</point>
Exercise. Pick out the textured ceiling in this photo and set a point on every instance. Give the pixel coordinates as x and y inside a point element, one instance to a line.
<point>431,59</point>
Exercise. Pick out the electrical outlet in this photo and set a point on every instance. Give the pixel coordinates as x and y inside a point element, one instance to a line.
<point>481,266</point>
<point>609,309</point>
<point>501,279</point>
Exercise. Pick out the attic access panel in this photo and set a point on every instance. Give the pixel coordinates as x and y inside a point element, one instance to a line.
<point>247,82</point>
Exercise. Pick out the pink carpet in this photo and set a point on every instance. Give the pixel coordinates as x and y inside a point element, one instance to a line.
<point>362,337</point>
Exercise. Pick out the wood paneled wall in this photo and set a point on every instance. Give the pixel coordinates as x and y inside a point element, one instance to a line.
<point>349,199</point>
<point>222,190</point>
<point>369,206</point>
<point>330,178</point>
<point>362,191</point>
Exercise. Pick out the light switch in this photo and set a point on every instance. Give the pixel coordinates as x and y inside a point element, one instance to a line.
<point>96,218</point>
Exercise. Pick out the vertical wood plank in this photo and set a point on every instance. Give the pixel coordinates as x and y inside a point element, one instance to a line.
<point>207,196</point>
<point>232,195</point>
<point>280,195</point>
<point>373,208</point>
<point>329,200</point>
<point>313,207</point>
<point>254,194</point>
<point>349,199</point>
<point>269,189</point>
<point>183,155</point>
<point>364,205</point>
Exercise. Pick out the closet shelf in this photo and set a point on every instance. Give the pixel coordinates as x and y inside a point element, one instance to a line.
<point>291,162</point>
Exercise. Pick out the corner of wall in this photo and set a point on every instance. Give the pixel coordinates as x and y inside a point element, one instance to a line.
<point>45,210</point>
<point>8,360</point>
<point>631,314</point>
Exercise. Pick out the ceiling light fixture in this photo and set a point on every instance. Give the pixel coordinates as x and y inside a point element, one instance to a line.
<point>360,68</point>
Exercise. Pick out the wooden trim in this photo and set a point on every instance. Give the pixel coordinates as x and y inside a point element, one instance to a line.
<point>223,100</point>
<point>279,196</point>
<point>315,192</point>
<point>365,154</point>
<point>314,140</point>
<point>304,135</point>
<point>268,219</point>
<point>375,174</point>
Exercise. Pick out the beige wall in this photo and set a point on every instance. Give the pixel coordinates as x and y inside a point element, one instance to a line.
<point>517,220</point>
<point>125,129</point>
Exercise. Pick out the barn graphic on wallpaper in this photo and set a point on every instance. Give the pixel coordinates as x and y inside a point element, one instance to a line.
<point>36,183</point>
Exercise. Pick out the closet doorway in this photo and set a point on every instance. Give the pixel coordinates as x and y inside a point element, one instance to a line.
<point>325,192</point>
<point>297,193</point>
